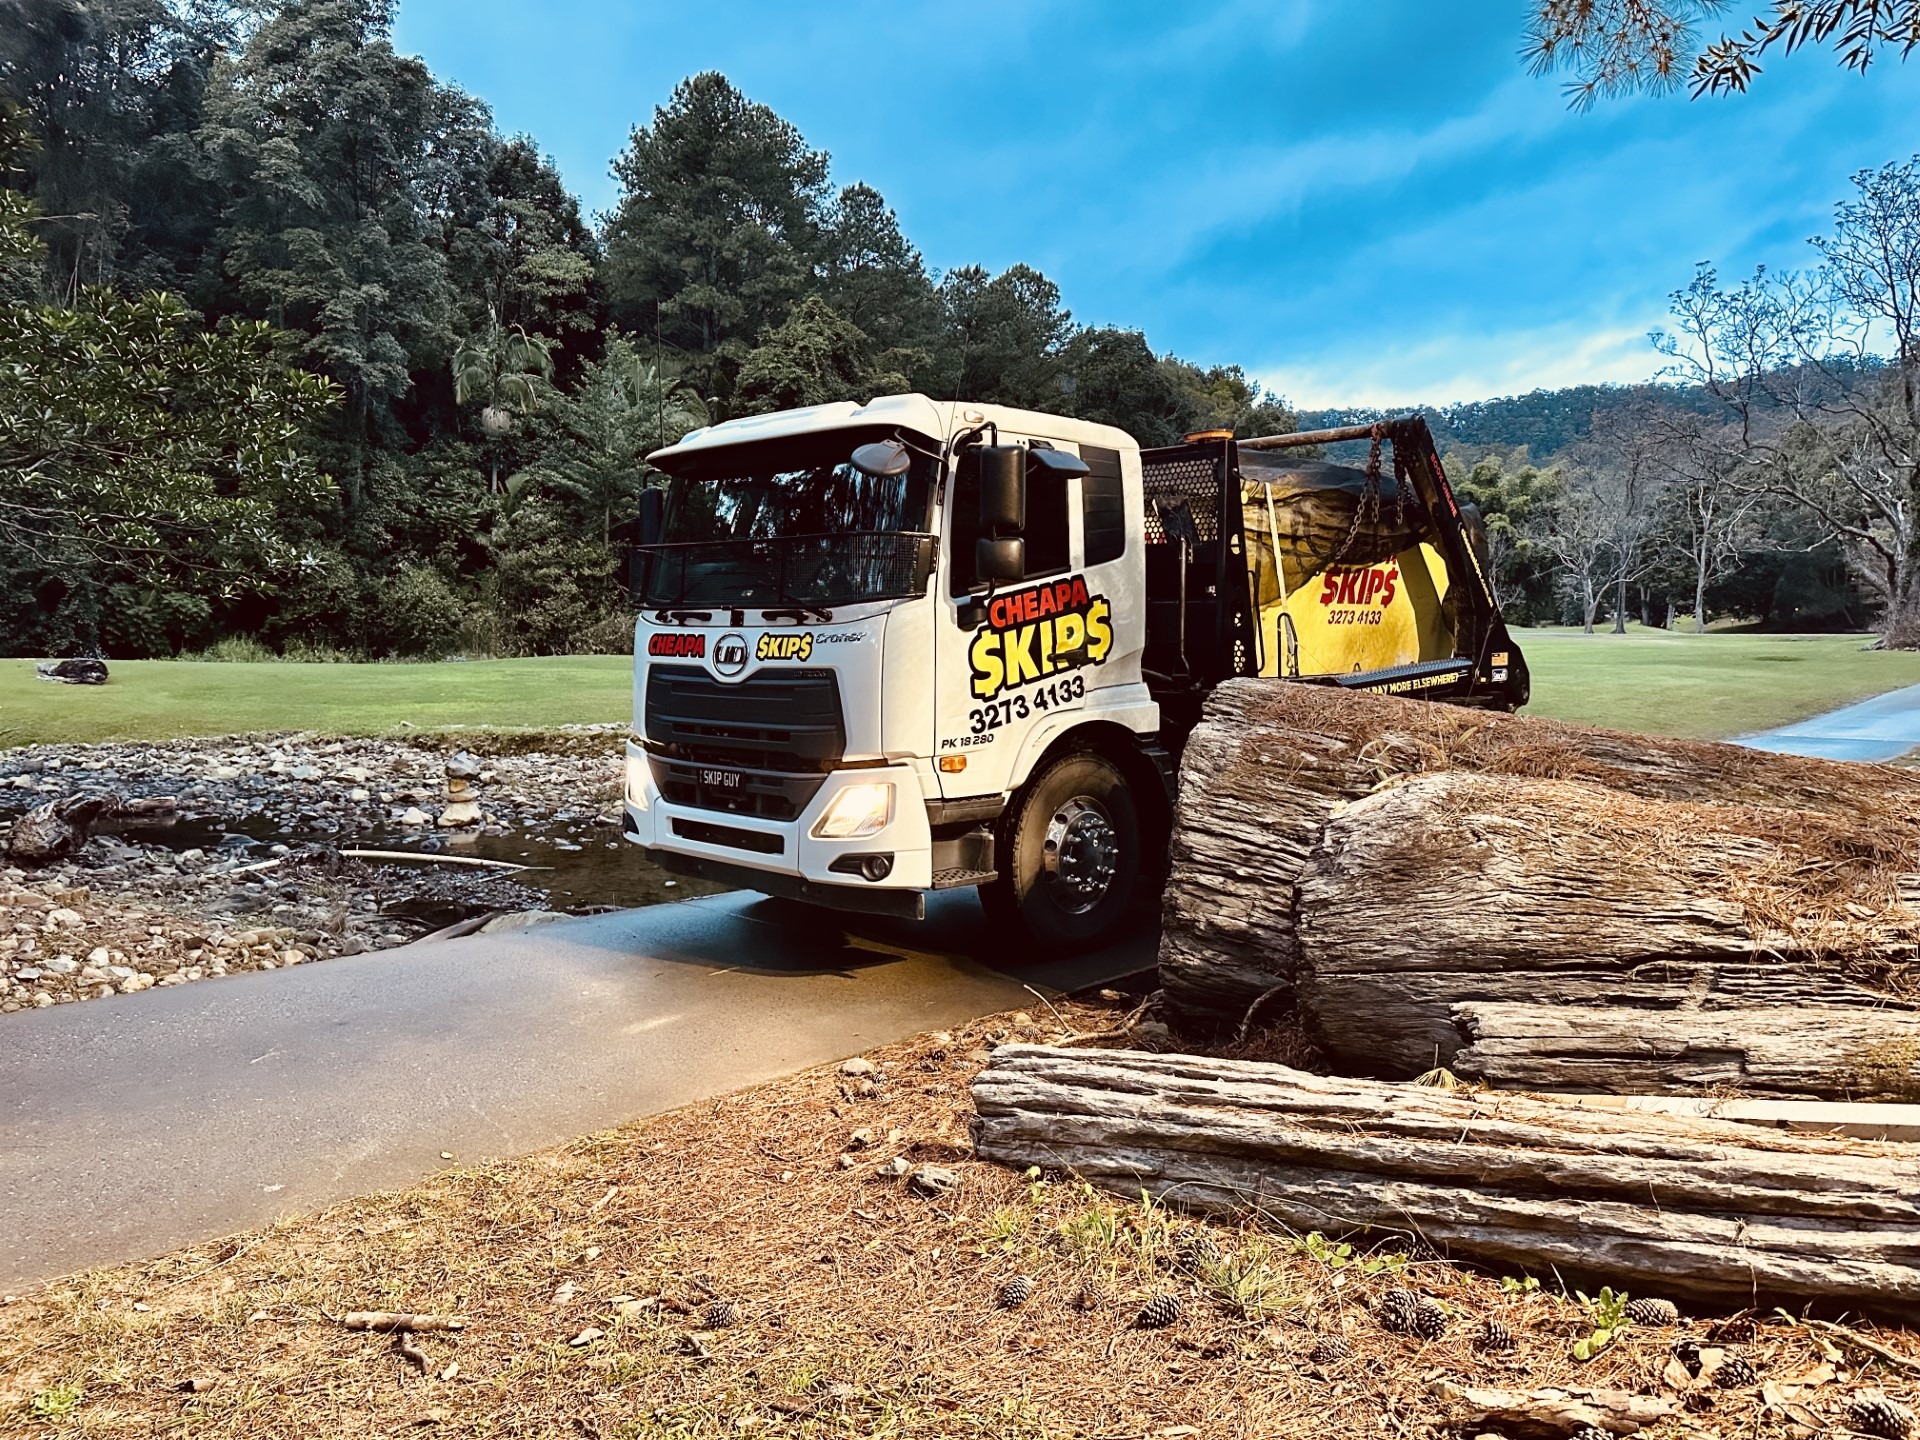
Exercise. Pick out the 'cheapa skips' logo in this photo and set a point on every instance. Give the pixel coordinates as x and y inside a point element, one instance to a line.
<point>1040,631</point>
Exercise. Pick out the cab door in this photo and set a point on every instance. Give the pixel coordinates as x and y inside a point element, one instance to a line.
<point>1019,664</point>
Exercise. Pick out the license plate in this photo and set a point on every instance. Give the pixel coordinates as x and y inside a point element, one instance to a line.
<point>724,779</point>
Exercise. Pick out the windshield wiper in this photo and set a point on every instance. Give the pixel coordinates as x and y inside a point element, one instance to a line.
<point>682,617</point>
<point>802,614</point>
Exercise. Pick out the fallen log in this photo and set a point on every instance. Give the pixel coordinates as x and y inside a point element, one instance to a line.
<point>1554,1413</point>
<point>1377,861</point>
<point>1791,1052</point>
<point>399,1322</point>
<point>57,829</point>
<point>1685,1206</point>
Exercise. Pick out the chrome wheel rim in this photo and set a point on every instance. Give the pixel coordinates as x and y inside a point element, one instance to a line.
<point>1080,855</point>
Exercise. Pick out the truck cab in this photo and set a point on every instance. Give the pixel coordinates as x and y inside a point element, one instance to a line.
<point>910,645</point>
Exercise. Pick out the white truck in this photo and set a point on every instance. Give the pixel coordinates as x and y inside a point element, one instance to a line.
<point>915,645</point>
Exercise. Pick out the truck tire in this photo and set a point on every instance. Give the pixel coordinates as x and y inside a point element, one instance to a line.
<point>1069,856</point>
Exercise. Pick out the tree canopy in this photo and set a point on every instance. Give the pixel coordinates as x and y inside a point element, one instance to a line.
<point>1615,47</point>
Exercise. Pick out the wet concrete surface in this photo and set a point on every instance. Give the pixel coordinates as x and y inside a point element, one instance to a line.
<point>1883,728</point>
<point>135,1124</point>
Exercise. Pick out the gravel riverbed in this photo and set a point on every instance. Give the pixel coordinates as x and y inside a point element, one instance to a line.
<point>249,875</point>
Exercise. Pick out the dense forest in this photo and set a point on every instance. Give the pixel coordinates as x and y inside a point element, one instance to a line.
<point>300,355</point>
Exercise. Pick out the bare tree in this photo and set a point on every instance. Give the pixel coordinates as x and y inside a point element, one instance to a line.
<point>1707,507</point>
<point>1819,375</point>
<point>1600,533</point>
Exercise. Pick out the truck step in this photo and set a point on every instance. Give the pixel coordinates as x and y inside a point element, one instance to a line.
<point>962,879</point>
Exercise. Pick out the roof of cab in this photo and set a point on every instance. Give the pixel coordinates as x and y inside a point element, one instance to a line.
<point>937,420</point>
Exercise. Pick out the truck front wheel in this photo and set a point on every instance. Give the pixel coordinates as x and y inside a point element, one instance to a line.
<point>1070,852</point>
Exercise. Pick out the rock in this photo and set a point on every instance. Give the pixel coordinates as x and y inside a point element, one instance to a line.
<point>932,1181</point>
<point>64,919</point>
<point>304,772</point>
<point>414,815</point>
<point>858,1066</point>
<point>60,965</point>
<point>894,1168</point>
<point>860,1139</point>
<point>459,814</point>
<point>79,671</point>
<point>224,773</point>
<point>462,766</point>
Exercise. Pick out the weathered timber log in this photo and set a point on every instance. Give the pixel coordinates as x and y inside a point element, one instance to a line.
<point>1361,854</point>
<point>1795,1052</point>
<point>1687,1206</point>
<point>59,828</point>
<point>1554,1413</point>
<point>1452,886</point>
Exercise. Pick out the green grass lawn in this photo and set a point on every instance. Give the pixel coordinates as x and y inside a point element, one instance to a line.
<point>158,699</point>
<point>1709,686</point>
<point>1705,686</point>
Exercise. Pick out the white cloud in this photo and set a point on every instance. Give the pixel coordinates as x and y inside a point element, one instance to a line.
<point>1444,369</point>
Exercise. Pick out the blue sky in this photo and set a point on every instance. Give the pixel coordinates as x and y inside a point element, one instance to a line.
<point>1360,203</point>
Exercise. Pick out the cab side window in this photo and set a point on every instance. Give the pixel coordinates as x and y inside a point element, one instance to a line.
<point>966,522</point>
<point>1104,505</point>
<point>1047,505</point>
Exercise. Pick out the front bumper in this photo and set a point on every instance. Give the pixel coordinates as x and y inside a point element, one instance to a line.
<point>785,857</point>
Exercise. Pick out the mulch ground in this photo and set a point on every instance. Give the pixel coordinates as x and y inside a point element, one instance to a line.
<point>768,1264</point>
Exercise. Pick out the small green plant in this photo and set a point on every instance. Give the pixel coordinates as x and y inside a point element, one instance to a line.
<point>1339,1255</point>
<point>1007,1226</point>
<point>1608,1312</point>
<point>1518,1284</point>
<point>1316,1246</point>
<point>1247,1281</point>
<point>56,1402</point>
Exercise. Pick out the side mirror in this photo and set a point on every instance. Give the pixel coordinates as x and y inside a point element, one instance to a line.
<point>651,522</point>
<point>1000,560</point>
<point>1003,489</point>
<point>883,459</point>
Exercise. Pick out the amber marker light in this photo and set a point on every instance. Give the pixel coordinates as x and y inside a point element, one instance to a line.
<point>953,764</point>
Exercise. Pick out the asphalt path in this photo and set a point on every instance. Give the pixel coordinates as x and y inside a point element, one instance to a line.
<point>136,1124</point>
<point>1883,728</point>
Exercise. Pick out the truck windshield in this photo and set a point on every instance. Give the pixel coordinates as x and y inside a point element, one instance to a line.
<point>799,526</point>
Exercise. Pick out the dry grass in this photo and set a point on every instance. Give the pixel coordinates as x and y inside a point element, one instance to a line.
<point>865,1310</point>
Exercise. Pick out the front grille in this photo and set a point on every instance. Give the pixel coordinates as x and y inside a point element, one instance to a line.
<point>761,747</point>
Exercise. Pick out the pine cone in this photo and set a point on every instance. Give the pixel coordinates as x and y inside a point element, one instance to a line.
<point>1329,1350</point>
<point>1687,1352</point>
<point>1090,1296</point>
<point>1872,1413</point>
<point>1158,1313</point>
<point>722,1315</point>
<point>1734,1374</point>
<point>1429,1319</point>
<point>1198,1249</point>
<point>1653,1312</point>
<point>1590,1432</point>
<point>1493,1334</point>
<point>1015,1293</point>
<point>1394,1310</point>
<point>1739,1330</point>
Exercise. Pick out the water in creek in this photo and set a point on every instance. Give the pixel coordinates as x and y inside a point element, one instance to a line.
<point>579,866</point>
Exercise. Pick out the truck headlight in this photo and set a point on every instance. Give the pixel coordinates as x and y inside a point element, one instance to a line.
<point>856,812</point>
<point>636,778</point>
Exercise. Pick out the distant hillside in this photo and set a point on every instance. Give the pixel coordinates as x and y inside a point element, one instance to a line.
<point>1545,421</point>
